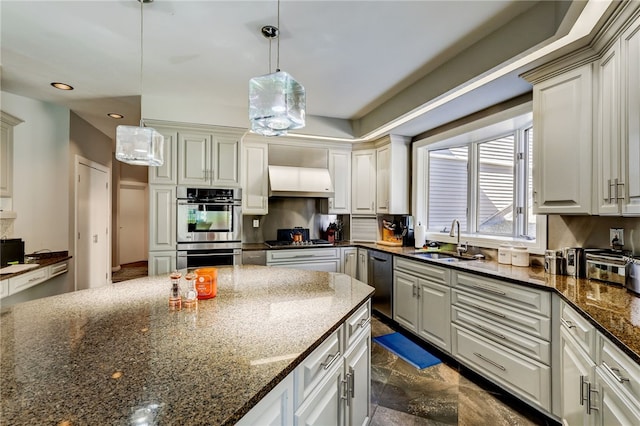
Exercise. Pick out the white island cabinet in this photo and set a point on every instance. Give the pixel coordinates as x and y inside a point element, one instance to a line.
<point>332,386</point>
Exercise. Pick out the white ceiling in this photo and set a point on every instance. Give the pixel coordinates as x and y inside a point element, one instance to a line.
<point>358,60</point>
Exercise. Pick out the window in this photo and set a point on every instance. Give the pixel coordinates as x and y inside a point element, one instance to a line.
<point>481,175</point>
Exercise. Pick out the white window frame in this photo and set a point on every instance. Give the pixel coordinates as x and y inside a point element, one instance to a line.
<point>482,129</point>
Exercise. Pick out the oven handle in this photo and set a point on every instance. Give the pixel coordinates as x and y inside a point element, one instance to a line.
<point>220,203</point>
<point>184,254</point>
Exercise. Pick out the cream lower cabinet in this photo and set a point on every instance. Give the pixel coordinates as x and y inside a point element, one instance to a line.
<point>314,259</point>
<point>162,262</point>
<point>576,381</point>
<point>618,386</point>
<point>422,299</point>
<point>363,264</point>
<point>332,386</point>
<point>349,261</point>
<point>503,332</point>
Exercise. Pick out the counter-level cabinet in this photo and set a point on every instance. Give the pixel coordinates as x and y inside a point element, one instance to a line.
<point>422,300</point>
<point>315,259</point>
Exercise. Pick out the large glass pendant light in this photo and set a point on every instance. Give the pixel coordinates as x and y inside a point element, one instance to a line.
<point>277,101</point>
<point>140,146</point>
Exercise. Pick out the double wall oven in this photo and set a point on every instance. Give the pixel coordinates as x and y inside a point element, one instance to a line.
<point>209,227</point>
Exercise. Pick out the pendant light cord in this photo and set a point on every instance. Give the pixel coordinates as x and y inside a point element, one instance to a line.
<point>141,56</point>
<point>278,47</point>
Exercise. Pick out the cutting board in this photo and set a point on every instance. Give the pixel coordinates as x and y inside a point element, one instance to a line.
<point>389,243</point>
<point>21,267</point>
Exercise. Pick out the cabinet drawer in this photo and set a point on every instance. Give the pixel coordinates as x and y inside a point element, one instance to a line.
<point>579,328</point>
<point>529,379</point>
<point>316,366</point>
<point>509,317</point>
<point>355,324</point>
<point>422,270</point>
<point>520,297</point>
<point>58,269</point>
<point>289,255</point>
<point>616,365</point>
<point>24,281</point>
<point>4,288</point>
<point>537,349</point>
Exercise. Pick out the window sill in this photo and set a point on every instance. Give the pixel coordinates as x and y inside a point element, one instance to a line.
<point>533,246</point>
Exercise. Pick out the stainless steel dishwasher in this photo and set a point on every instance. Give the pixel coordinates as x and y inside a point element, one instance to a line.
<point>380,277</point>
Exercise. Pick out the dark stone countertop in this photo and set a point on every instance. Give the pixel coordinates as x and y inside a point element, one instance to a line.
<point>107,355</point>
<point>613,310</point>
<point>43,260</point>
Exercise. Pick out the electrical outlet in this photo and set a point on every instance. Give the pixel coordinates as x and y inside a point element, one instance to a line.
<point>256,223</point>
<point>616,237</point>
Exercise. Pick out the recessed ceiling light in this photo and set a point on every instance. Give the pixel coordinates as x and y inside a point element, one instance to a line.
<point>62,86</point>
<point>115,115</point>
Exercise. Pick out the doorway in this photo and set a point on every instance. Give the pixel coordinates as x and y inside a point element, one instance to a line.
<point>92,236</point>
<point>132,222</point>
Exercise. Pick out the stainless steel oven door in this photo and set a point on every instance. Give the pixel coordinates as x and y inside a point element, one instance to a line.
<point>208,221</point>
<point>192,256</point>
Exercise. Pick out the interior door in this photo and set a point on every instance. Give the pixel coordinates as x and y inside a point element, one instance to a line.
<point>133,225</point>
<point>92,225</point>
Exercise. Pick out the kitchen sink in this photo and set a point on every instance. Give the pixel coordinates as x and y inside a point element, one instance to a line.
<point>445,256</point>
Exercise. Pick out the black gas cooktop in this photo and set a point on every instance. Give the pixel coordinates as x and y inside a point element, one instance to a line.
<point>291,244</point>
<point>286,239</point>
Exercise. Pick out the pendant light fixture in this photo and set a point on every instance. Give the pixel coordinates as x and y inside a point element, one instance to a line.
<point>140,146</point>
<point>277,101</point>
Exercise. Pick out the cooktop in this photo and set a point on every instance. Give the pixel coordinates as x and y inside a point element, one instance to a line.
<point>291,244</point>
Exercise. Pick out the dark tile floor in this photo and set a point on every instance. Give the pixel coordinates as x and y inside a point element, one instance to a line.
<point>437,395</point>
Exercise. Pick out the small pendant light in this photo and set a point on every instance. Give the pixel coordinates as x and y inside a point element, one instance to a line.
<point>277,101</point>
<point>140,146</point>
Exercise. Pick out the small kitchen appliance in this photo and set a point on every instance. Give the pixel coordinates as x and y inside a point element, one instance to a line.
<point>606,266</point>
<point>11,251</point>
<point>553,262</point>
<point>574,263</point>
<point>632,281</point>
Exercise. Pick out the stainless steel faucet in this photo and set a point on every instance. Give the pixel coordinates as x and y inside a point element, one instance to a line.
<point>460,248</point>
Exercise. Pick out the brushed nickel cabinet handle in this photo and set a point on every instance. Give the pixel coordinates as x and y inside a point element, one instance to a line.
<point>330,360</point>
<point>485,359</point>
<point>615,372</point>
<point>491,331</point>
<point>489,311</point>
<point>567,324</point>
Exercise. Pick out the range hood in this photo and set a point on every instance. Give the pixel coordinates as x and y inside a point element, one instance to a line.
<point>288,181</point>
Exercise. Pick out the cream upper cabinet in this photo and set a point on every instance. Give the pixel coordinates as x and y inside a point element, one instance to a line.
<point>208,159</point>
<point>618,126</point>
<point>562,120</point>
<point>255,183</point>
<point>167,173</point>
<point>8,122</point>
<point>363,179</point>
<point>607,139</point>
<point>392,176</point>
<point>340,170</point>
<point>630,113</point>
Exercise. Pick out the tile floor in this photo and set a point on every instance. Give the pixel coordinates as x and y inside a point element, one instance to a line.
<point>437,395</point>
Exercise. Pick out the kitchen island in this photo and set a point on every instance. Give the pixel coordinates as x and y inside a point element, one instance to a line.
<point>117,354</point>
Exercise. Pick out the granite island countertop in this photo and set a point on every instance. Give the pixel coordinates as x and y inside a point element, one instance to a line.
<point>116,353</point>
